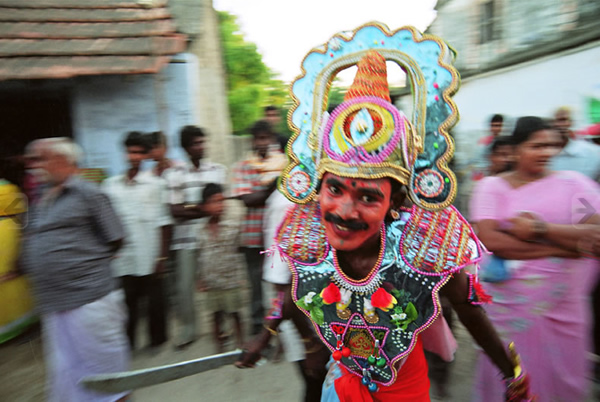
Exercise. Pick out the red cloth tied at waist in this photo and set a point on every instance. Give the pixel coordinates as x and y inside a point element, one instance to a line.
<point>412,383</point>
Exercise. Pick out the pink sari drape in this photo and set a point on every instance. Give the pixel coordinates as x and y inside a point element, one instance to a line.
<point>544,307</point>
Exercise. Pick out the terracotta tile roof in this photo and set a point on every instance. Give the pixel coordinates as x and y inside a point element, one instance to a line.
<point>67,38</point>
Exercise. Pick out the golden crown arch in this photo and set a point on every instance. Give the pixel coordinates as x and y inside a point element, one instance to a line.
<point>420,160</point>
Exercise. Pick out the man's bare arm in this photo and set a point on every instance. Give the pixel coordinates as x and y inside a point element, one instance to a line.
<point>258,198</point>
<point>475,320</point>
<point>187,211</point>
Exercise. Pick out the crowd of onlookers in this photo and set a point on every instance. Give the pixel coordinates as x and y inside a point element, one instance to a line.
<point>97,255</point>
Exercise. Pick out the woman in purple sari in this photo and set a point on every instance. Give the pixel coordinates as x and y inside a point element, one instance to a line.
<point>542,228</point>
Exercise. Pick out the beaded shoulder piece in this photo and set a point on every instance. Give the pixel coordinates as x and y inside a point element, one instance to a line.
<point>377,319</point>
<point>432,242</point>
<point>301,235</point>
<point>439,242</point>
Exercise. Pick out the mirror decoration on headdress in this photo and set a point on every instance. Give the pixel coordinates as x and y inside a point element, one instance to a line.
<point>366,136</point>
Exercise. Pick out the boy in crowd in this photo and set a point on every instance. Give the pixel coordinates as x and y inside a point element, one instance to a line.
<point>221,273</point>
<point>501,156</point>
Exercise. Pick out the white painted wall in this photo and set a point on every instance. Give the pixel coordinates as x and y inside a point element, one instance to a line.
<point>536,88</point>
<point>105,108</point>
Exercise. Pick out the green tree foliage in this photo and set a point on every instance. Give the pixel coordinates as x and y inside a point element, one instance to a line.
<point>250,83</point>
<point>336,95</point>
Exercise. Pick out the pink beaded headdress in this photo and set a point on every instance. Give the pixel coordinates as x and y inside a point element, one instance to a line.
<point>366,136</point>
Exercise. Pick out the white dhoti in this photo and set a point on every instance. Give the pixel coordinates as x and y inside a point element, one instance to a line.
<point>85,341</point>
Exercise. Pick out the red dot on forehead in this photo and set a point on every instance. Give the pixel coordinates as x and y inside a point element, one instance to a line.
<point>359,183</point>
<point>349,182</point>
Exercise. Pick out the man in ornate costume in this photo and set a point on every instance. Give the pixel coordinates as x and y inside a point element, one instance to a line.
<point>366,273</point>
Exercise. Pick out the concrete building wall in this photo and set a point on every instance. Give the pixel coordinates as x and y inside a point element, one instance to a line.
<point>536,88</point>
<point>518,25</point>
<point>211,96</point>
<point>104,108</point>
<point>190,90</point>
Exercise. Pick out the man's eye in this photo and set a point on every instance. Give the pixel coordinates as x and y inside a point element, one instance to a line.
<point>367,199</point>
<point>334,190</point>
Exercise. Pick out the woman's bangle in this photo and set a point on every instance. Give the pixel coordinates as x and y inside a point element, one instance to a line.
<point>585,247</point>
<point>540,228</point>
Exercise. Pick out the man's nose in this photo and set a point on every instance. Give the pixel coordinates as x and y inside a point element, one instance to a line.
<point>348,210</point>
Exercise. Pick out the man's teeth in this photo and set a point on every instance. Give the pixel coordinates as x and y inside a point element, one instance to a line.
<point>343,228</point>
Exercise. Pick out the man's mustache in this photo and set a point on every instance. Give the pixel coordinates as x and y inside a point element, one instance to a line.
<point>350,224</point>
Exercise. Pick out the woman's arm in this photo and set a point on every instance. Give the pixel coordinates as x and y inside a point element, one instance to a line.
<point>486,204</point>
<point>576,237</point>
<point>507,246</point>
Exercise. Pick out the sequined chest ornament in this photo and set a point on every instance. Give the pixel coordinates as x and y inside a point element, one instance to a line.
<point>371,325</point>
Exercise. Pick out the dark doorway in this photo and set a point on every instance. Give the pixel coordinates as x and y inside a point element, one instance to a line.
<point>26,117</point>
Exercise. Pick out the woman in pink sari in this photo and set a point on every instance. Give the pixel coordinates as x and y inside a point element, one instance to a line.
<point>536,221</point>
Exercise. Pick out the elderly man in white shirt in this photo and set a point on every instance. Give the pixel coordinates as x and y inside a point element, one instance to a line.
<point>140,200</point>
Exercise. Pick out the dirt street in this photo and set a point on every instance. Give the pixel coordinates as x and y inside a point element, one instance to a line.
<point>22,374</point>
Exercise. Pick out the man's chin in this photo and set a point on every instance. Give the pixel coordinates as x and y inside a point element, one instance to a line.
<point>341,245</point>
<point>348,242</point>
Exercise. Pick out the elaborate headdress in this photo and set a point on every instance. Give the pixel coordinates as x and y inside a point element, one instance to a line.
<point>366,136</point>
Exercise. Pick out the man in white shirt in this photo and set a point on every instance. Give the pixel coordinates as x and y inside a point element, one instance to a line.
<point>140,200</point>
<point>185,184</point>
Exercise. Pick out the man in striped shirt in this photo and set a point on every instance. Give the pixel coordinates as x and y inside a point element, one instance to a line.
<point>254,179</point>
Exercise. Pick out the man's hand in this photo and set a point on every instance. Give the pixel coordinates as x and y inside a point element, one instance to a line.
<point>523,227</point>
<point>258,198</point>
<point>159,266</point>
<point>253,350</point>
<point>201,209</point>
<point>316,358</point>
<point>187,211</point>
